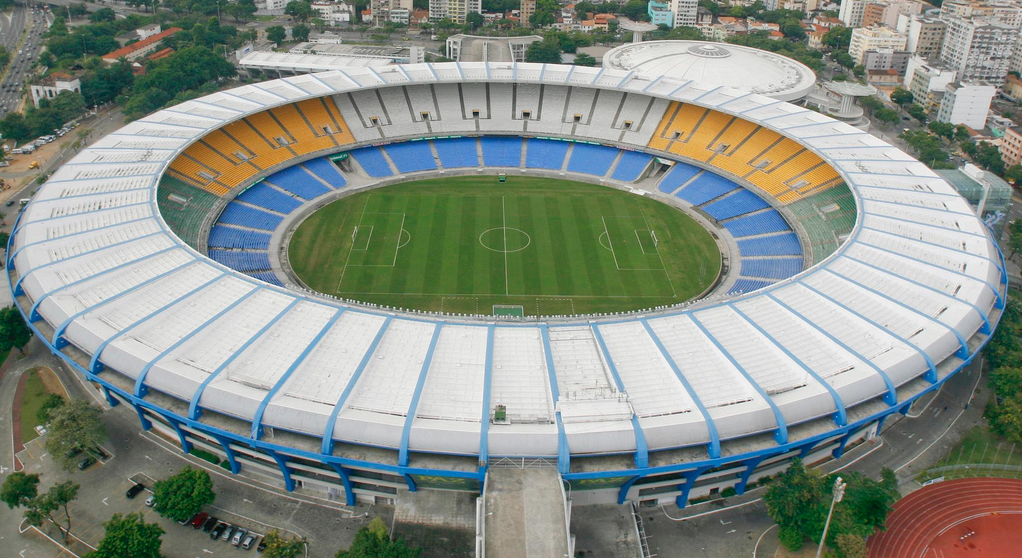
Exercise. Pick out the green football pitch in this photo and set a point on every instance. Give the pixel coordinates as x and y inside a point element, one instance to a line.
<point>534,246</point>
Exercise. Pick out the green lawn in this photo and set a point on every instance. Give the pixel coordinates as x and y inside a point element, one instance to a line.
<point>979,447</point>
<point>32,400</point>
<point>465,244</point>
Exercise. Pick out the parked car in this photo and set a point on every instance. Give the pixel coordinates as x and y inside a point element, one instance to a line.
<point>228,532</point>
<point>84,464</point>
<point>238,535</point>
<point>134,490</point>
<point>218,530</point>
<point>247,542</point>
<point>187,521</point>
<point>209,524</point>
<point>262,545</point>
<point>199,520</point>
<point>150,501</point>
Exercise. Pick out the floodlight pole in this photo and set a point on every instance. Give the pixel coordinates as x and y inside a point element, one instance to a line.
<point>839,493</point>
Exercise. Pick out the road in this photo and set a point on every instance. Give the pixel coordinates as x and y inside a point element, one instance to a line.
<point>24,49</point>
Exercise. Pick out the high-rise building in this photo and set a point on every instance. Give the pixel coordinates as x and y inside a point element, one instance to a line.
<point>1008,12</point>
<point>966,103</point>
<point>381,9</point>
<point>924,35</point>
<point>455,10</point>
<point>685,12</point>
<point>979,49</point>
<point>927,82</point>
<point>874,38</point>
<point>1011,146</point>
<point>525,12</point>
<point>852,11</point>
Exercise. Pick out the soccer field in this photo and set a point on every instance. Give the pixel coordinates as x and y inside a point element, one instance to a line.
<point>530,245</point>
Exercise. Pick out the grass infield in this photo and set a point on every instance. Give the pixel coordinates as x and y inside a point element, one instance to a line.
<point>466,244</point>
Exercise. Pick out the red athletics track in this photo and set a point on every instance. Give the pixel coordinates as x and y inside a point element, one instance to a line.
<point>929,522</point>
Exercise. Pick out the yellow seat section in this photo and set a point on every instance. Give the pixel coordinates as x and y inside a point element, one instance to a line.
<point>223,143</point>
<point>306,139</point>
<point>345,131</point>
<point>678,124</point>
<point>697,144</point>
<point>737,159</point>
<point>659,141</point>
<point>269,128</point>
<point>737,131</point>
<point>318,113</point>
<point>265,155</point>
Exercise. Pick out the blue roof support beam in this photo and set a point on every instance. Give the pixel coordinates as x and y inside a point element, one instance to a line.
<point>147,424</point>
<point>140,388</point>
<point>328,433</point>
<point>484,424</point>
<point>686,489</point>
<point>840,411</point>
<point>781,433</point>
<point>289,483</point>
<point>232,458</point>
<point>194,409</point>
<point>641,450</point>
<point>186,446</point>
<point>33,314</point>
<point>406,431</point>
<point>750,467</point>
<point>58,333</point>
<point>890,397</point>
<point>94,364</point>
<point>349,494</point>
<point>931,375</point>
<point>563,451</point>
<point>622,493</point>
<point>110,399</point>
<point>257,420</point>
<point>713,448</point>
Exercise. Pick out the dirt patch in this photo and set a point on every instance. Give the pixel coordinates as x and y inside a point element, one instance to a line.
<point>16,419</point>
<point>51,382</point>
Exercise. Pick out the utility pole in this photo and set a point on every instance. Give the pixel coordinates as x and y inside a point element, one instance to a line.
<point>839,494</point>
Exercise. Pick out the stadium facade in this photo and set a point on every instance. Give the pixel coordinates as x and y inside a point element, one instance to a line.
<point>898,287</point>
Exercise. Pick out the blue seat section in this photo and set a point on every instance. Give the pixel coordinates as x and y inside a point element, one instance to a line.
<point>631,164</point>
<point>242,261</point>
<point>771,268</point>
<point>502,151</point>
<point>545,154</point>
<point>411,156</point>
<point>739,203</point>
<point>457,152</point>
<point>237,214</point>
<point>267,276</point>
<point>325,170</point>
<point>780,245</point>
<point>591,159</point>
<point>264,196</point>
<point>228,237</point>
<point>705,188</point>
<point>747,286</point>
<point>760,223</point>
<point>679,174</point>
<point>372,161</point>
<point>298,181</point>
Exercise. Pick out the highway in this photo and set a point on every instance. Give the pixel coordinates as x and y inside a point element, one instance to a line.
<point>22,55</point>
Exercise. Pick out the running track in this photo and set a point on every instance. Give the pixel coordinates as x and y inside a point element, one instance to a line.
<point>920,517</point>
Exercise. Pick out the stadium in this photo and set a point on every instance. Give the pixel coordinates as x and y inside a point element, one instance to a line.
<point>845,280</point>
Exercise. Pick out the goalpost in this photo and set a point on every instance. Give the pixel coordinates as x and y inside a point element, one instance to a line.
<point>354,233</point>
<point>656,242</point>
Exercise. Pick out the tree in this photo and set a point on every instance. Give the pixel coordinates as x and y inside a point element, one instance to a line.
<point>851,546</point>
<point>474,20</point>
<point>547,51</point>
<point>57,498</point>
<point>129,535</point>
<point>372,541</point>
<point>942,129</point>
<point>901,96</point>
<point>300,32</point>
<point>184,494</point>
<point>243,10</point>
<point>77,9</point>
<point>1013,173</point>
<point>544,13</point>
<point>52,401</point>
<point>886,117</point>
<point>870,104</point>
<point>68,104</point>
<point>917,111</point>
<point>795,503</point>
<point>989,157</point>
<point>961,133</point>
<point>638,10</point>
<point>843,58</point>
<point>75,427</point>
<point>19,489</point>
<point>13,126</point>
<point>276,34</point>
<point>102,14</point>
<point>301,11</point>
<point>584,60</point>
<point>14,333</point>
<point>859,70</point>
<point>837,38</point>
<point>278,546</point>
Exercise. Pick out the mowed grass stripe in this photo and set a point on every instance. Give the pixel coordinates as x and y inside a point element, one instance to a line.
<point>565,258</point>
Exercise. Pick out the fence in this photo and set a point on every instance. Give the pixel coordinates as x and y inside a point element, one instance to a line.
<point>978,460</point>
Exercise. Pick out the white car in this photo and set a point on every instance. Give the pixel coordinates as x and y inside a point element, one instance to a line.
<point>150,501</point>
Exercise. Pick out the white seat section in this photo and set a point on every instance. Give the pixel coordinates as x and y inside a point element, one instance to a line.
<point>519,378</point>
<point>500,108</point>
<point>454,386</point>
<point>37,231</point>
<point>653,388</point>
<point>949,239</point>
<point>473,98</point>
<point>581,374</point>
<point>967,287</point>
<point>422,100</point>
<point>527,98</point>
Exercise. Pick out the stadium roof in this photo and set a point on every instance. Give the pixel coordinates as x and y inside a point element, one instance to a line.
<point>894,309</point>
<point>716,64</point>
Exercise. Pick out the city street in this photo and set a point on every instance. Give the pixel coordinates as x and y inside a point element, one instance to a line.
<point>23,47</point>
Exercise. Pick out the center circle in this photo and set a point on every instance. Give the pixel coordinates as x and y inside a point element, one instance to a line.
<point>505,239</point>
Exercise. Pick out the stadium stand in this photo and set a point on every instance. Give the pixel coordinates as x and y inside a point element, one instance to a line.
<point>679,174</point>
<point>242,261</point>
<point>267,197</point>
<point>267,276</point>
<point>501,151</point>
<point>223,236</point>
<point>698,142</point>
<point>677,123</point>
<point>325,171</point>
<point>545,154</point>
<point>771,268</point>
<point>306,140</point>
<point>760,223</point>
<point>630,166</point>
<point>739,203</point>
<point>825,217</point>
<point>237,214</point>
<point>457,152</point>
<point>748,286</point>
<point>707,186</point>
<point>592,159</point>
<point>780,245</point>
<point>372,161</point>
<point>412,156</point>
<point>184,207</point>
<point>298,181</point>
